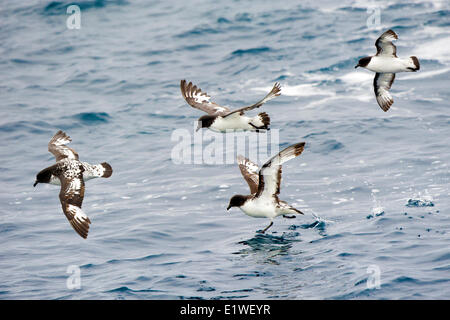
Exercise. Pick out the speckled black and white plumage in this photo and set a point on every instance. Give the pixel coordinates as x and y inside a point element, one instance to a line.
<point>71,174</point>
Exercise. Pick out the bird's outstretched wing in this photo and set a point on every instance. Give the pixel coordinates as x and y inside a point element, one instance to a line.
<point>249,171</point>
<point>71,197</point>
<point>198,99</point>
<point>57,146</point>
<point>275,92</point>
<point>384,44</point>
<point>270,173</point>
<point>381,85</point>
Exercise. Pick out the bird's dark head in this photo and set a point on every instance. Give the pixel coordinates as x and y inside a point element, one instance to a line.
<point>205,121</point>
<point>363,62</point>
<point>43,177</point>
<point>237,201</point>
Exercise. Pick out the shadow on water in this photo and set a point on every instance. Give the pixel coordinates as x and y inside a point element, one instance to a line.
<point>267,247</point>
<point>318,225</point>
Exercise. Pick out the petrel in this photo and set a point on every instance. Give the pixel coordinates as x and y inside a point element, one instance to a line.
<point>263,202</point>
<point>386,64</point>
<point>71,174</point>
<point>220,118</point>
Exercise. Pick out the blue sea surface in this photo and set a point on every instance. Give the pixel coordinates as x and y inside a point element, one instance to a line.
<point>374,186</point>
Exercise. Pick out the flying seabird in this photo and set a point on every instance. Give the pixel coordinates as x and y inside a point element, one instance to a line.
<point>220,118</point>
<point>264,186</point>
<point>71,174</point>
<point>386,64</point>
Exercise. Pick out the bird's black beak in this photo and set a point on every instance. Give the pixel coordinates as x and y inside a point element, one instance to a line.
<point>199,125</point>
<point>357,66</point>
<point>35,183</point>
<point>229,206</point>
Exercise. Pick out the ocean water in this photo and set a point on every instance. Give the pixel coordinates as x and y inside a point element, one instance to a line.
<point>374,186</point>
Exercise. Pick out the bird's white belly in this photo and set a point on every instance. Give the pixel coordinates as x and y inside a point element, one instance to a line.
<point>237,122</point>
<point>259,208</point>
<point>387,65</point>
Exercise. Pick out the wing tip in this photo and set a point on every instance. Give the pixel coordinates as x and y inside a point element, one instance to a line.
<point>183,87</point>
<point>298,148</point>
<point>387,105</point>
<point>287,153</point>
<point>78,219</point>
<point>81,227</point>
<point>242,161</point>
<point>276,90</point>
<point>385,102</point>
<point>390,33</point>
<point>59,138</point>
<point>189,90</point>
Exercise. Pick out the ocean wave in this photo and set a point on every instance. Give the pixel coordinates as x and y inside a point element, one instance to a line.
<point>60,7</point>
<point>92,118</point>
<point>160,230</point>
<point>251,51</point>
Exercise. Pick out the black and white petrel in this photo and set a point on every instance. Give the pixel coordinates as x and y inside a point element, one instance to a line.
<point>264,186</point>
<point>71,174</point>
<point>221,118</point>
<point>386,64</point>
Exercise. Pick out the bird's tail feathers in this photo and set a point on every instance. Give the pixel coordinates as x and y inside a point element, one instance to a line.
<point>415,65</point>
<point>107,170</point>
<point>288,209</point>
<point>261,121</point>
<point>102,170</point>
<point>294,210</point>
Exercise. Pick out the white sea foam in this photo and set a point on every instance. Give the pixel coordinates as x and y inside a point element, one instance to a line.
<point>425,74</point>
<point>438,49</point>
<point>357,78</point>
<point>378,211</point>
<point>301,90</point>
